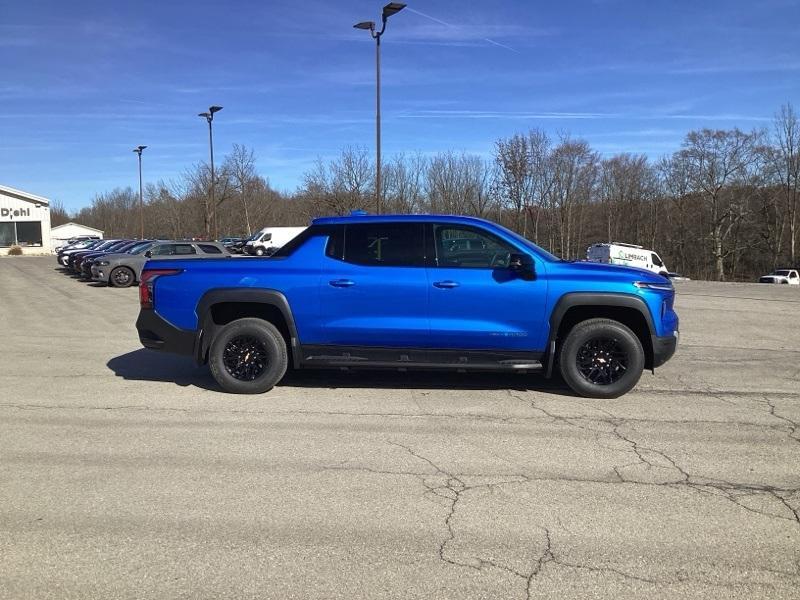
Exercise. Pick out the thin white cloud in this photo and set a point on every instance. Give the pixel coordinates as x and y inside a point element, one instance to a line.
<point>492,114</point>
<point>560,115</point>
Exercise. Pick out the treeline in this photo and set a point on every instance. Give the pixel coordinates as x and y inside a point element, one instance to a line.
<point>723,206</point>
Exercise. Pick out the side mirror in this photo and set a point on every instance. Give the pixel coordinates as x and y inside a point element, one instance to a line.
<point>522,265</point>
<point>149,254</point>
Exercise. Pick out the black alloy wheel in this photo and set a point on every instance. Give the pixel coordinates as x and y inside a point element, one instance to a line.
<point>601,358</point>
<point>602,361</point>
<point>248,356</point>
<point>245,358</point>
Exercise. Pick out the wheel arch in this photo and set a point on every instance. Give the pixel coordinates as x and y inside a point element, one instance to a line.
<point>576,307</point>
<point>220,306</point>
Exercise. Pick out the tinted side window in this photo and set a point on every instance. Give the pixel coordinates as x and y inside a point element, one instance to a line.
<point>185,249</point>
<point>209,249</point>
<point>163,250</point>
<point>335,246</point>
<point>385,244</point>
<point>470,248</point>
<point>657,261</point>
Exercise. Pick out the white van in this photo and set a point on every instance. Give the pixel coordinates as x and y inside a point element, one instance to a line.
<point>628,255</point>
<point>269,239</point>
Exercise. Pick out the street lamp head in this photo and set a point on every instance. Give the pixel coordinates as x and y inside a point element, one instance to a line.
<point>369,25</point>
<point>392,8</point>
<point>140,148</point>
<point>213,109</point>
<point>205,115</point>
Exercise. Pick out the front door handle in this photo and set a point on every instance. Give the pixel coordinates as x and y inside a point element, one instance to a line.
<point>446,285</point>
<point>342,283</point>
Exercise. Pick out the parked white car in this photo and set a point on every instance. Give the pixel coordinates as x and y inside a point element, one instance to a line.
<point>785,276</point>
<point>269,239</point>
<point>629,255</point>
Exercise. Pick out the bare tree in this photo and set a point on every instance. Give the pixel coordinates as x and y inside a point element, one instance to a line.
<point>574,166</point>
<point>514,181</point>
<point>787,163</point>
<point>241,167</point>
<point>717,160</point>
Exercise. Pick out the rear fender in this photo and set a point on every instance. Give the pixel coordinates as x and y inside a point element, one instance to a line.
<point>208,328</point>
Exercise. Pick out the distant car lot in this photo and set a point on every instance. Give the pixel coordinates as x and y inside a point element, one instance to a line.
<point>355,485</point>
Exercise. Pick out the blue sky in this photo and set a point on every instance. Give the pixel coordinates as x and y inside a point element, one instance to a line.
<point>83,82</point>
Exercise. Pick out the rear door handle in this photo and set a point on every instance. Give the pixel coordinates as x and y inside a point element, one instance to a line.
<point>446,284</point>
<point>342,283</point>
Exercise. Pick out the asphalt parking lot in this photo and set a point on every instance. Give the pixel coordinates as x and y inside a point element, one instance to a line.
<point>126,474</point>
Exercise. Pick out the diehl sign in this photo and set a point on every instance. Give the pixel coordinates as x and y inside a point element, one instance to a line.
<point>10,213</point>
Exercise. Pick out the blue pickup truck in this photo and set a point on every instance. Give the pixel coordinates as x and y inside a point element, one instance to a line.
<point>410,292</point>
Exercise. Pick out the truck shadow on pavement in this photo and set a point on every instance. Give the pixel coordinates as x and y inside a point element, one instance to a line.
<point>150,365</point>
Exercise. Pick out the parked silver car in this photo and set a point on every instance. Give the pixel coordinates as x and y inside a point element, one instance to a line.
<point>123,270</point>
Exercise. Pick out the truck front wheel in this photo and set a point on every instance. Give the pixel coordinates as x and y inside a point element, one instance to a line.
<point>248,356</point>
<point>601,358</point>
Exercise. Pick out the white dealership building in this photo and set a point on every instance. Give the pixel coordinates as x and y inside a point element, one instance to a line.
<point>24,222</point>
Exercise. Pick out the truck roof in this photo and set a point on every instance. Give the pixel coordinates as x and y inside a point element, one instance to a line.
<point>395,218</point>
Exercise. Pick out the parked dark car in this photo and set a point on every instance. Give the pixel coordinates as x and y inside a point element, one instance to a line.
<point>77,260</point>
<point>234,244</point>
<point>72,256</point>
<point>63,254</point>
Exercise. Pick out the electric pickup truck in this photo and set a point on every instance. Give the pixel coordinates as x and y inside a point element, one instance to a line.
<point>407,293</point>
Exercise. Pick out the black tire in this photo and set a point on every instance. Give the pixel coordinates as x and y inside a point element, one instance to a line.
<point>259,251</point>
<point>601,358</point>
<point>121,277</point>
<point>248,356</point>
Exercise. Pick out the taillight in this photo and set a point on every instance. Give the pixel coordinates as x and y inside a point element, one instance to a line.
<point>146,283</point>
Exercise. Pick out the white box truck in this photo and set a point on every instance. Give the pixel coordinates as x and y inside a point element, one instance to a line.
<point>629,255</point>
<point>266,241</point>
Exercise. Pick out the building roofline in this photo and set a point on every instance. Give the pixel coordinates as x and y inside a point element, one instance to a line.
<point>27,196</point>
<point>78,225</point>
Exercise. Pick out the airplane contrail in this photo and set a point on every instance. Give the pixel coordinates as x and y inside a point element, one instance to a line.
<point>446,24</point>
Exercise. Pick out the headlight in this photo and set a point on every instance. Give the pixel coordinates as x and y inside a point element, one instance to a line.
<point>102,263</point>
<point>649,285</point>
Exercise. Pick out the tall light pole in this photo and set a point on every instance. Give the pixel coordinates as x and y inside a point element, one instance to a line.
<point>138,151</point>
<point>209,116</point>
<point>388,11</point>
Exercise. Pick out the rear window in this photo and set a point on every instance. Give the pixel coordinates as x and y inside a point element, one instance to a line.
<point>185,249</point>
<point>173,249</point>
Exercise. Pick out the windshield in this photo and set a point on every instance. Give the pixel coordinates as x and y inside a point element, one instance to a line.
<point>254,237</point>
<point>526,242</point>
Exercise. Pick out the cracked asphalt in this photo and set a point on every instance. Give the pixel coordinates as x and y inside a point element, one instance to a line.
<point>126,474</point>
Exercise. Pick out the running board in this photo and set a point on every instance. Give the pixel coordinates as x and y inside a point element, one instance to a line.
<point>419,358</point>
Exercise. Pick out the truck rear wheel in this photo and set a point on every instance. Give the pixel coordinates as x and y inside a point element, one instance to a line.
<point>248,356</point>
<point>601,358</point>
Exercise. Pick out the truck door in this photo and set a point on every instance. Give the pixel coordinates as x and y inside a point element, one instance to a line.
<point>373,288</point>
<point>476,301</point>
